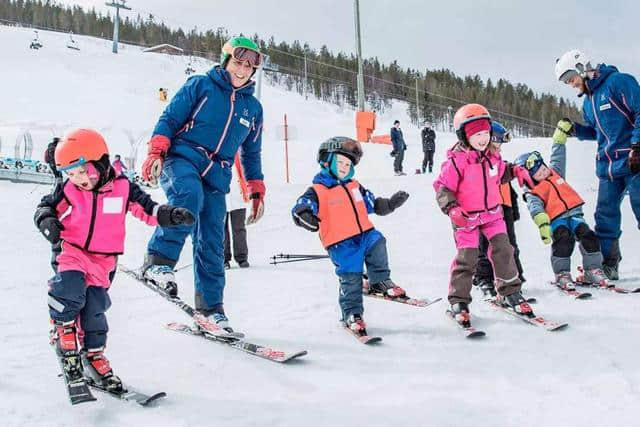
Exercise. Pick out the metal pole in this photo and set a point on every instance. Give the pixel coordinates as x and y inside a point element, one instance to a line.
<point>417,104</point>
<point>259,84</point>
<point>306,85</point>
<point>116,24</point>
<point>286,147</point>
<point>356,4</point>
<point>116,31</point>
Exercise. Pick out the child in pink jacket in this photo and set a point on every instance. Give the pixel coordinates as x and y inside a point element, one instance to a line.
<point>86,213</point>
<point>468,191</point>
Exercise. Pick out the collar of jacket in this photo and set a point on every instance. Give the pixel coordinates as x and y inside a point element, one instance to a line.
<point>222,78</point>
<point>325,178</point>
<point>603,72</point>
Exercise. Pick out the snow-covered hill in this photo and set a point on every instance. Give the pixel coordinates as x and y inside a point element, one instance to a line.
<point>424,372</point>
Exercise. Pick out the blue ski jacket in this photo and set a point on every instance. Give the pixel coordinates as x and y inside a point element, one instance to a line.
<point>611,110</point>
<point>208,120</point>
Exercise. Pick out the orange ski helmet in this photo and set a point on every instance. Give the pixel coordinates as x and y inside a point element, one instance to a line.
<point>78,147</point>
<point>467,114</point>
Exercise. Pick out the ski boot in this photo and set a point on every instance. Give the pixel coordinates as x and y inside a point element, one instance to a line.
<point>565,281</point>
<point>216,323</point>
<point>162,276</point>
<point>244,264</point>
<point>516,302</point>
<point>594,276</point>
<point>227,265</point>
<point>486,286</point>
<point>98,370</point>
<point>460,313</point>
<point>386,288</point>
<point>64,339</point>
<point>611,271</point>
<point>356,324</point>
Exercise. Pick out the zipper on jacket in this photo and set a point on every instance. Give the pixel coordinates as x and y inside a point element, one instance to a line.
<point>606,151</point>
<point>94,208</point>
<point>232,100</point>
<point>486,189</point>
<point>353,205</point>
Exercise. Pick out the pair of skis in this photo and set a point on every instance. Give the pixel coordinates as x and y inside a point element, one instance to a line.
<point>234,340</point>
<point>404,299</point>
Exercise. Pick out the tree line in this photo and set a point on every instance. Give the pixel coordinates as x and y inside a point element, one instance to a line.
<point>431,95</point>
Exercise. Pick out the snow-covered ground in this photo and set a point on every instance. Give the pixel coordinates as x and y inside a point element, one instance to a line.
<point>424,372</point>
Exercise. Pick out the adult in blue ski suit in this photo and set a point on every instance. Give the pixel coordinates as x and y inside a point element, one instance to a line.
<point>191,152</point>
<point>611,111</point>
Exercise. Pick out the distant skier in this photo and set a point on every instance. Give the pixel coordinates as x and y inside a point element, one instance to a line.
<point>399,147</point>
<point>556,208</point>
<point>483,276</point>
<point>468,191</point>
<point>338,207</point>
<point>191,151</point>
<point>118,165</point>
<point>428,147</point>
<point>611,110</point>
<point>85,214</point>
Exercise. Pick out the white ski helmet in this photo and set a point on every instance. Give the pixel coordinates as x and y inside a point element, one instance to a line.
<point>571,63</point>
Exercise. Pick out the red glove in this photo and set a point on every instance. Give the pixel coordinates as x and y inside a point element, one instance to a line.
<point>256,196</point>
<point>152,166</point>
<point>458,216</point>
<point>523,176</point>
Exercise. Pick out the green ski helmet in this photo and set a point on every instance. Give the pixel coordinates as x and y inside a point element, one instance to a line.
<point>242,49</point>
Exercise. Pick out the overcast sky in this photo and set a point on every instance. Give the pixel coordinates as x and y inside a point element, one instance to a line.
<point>514,39</point>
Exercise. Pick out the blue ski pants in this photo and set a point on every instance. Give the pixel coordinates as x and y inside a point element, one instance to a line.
<point>183,186</point>
<point>608,215</point>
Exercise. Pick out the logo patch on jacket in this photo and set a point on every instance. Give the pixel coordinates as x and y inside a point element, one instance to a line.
<point>605,107</point>
<point>112,205</point>
<point>493,171</point>
<point>559,181</point>
<point>244,122</point>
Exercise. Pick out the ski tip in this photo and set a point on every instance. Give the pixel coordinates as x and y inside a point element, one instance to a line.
<point>369,340</point>
<point>475,334</point>
<point>583,295</point>
<point>151,399</point>
<point>558,327</point>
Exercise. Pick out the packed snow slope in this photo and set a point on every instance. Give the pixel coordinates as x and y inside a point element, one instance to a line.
<point>423,373</point>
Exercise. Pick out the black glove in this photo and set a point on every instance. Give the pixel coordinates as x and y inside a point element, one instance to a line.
<point>393,153</point>
<point>634,158</point>
<point>170,215</point>
<point>306,219</point>
<point>50,227</point>
<point>398,199</point>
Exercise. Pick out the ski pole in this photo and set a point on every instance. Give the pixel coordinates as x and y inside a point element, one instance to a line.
<point>274,260</point>
<point>288,256</point>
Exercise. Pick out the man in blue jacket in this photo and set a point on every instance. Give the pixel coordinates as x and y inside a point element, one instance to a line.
<point>611,110</point>
<point>191,152</point>
<point>398,148</point>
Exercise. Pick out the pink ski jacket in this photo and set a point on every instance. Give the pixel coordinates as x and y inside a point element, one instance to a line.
<point>470,179</point>
<point>94,221</point>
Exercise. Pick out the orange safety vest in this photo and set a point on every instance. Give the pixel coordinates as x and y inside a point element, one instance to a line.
<point>558,196</point>
<point>342,212</point>
<point>505,193</point>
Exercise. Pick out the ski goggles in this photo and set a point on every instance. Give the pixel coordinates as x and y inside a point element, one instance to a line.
<point>501,138</point>
<point>245,54</point>
<point>567,76</point>
<point>74,164</point>
<point>533,162</point>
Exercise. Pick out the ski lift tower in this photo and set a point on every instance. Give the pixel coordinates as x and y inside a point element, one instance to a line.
<point>116,23</point>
